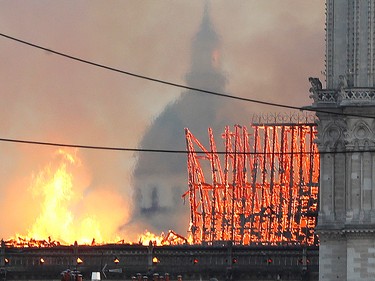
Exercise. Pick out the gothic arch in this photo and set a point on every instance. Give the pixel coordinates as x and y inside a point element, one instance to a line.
<point>359,134</point>
<point>333,135</point>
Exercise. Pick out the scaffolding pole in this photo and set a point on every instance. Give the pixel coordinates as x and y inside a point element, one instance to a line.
<point>262,188</point>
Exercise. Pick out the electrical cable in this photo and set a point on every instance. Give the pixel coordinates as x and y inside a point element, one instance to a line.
<point>180,85</point>
<point>162,82</point>
<point>169,150</point>
<point>90,146</point>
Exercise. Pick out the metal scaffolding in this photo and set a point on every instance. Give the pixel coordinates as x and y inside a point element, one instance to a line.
<point>262,189</point>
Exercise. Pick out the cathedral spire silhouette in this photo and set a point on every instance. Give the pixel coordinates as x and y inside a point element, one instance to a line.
<point>166,174</point>
<point>205,56</point>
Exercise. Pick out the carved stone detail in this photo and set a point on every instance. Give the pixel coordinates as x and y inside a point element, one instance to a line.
<point>336,234</point>
<point>359,233</point>
<point>343,96</point>
<point>316,85</point>
<point>331,135</point>
<point>324,96</point>
<point>283,118</point>
<point>359,135</point>
<point>357,96</point>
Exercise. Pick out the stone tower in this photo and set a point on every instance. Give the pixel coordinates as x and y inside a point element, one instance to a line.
<point>161,178</point>
<point>346,140</point>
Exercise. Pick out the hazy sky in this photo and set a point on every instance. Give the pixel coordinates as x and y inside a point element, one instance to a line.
<point>269,49</point>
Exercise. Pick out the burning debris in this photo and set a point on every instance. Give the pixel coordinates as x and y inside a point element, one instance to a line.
<point>265,191</point>
<point>171,238</point>
<point>21,242</point>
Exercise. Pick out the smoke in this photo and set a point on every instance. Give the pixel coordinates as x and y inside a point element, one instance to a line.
<point>197,112</point>
<point>267,52</point>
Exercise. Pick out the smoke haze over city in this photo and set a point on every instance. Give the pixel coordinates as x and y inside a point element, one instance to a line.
<point>263,50</point>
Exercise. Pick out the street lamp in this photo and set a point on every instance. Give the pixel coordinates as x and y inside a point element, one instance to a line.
<point>4,271</point>
<point>78,276</point>
<point>79,262</point>
<point>41,262</point>
<point>155,260</point>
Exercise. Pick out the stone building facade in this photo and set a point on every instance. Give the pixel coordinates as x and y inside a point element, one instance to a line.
<point>346,140</point>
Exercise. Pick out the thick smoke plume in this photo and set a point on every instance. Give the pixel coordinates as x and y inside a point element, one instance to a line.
<point>268,49</point>
<point>160,178</point>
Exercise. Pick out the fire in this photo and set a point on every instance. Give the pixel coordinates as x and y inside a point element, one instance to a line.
<point>172,238</point>
<point>148,237</point>
<point>190,239</point>
<point>55,189</point>
<point>264,190</point>
<point>67,211</point>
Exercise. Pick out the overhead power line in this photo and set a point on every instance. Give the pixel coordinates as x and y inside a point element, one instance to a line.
<point>176,84</point>
<point>166,83</point>
<point>167,150</point>
<point>90,146</point>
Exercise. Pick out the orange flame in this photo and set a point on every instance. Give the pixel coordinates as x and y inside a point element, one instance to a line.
<point>68,211</point>
<point>148,237</point>
<point>172,238</point>
<point>61,193</point>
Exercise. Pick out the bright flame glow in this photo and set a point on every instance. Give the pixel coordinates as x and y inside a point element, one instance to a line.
<point>68,212</point>
<point>172,238</point>
<point>149,237</point>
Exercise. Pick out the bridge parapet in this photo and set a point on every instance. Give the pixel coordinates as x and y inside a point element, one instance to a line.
<point>193,262</point>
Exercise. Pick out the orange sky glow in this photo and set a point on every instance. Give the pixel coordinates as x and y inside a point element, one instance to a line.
<point>268,52</point>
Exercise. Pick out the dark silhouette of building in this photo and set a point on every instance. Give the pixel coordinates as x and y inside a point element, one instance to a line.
<point>160,178</point>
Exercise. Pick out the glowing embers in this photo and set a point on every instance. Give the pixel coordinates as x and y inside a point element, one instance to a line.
<point>171,238</point>
<point>263,188</point>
